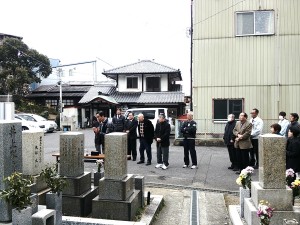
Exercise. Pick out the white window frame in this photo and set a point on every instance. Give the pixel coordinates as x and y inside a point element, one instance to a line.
<point>254,34</point>
<point>137,85</point>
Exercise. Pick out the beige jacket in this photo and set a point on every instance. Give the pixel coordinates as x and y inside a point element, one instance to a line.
<point>245,130</point>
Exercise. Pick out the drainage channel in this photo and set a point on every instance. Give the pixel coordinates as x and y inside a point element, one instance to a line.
<point>194,212</point>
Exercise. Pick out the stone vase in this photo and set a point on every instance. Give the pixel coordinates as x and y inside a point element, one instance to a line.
<point>35,203</point>
<point>244,193</point>
<point>54,201</point>
<point>22,217</point>
<point>97,177</point>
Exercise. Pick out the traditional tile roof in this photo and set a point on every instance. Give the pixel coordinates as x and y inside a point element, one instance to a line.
<point>53,91</point>
<point>161,97</point>
<point>143,67</point>
<point>123,97</point>
<point>97,90</point>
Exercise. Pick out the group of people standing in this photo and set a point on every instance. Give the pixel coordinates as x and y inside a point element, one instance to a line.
<point>147,133</point>
<point>241,139</point>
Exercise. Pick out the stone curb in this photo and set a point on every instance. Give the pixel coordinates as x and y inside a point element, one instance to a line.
<point>152,209</point>
<point>234,215</point>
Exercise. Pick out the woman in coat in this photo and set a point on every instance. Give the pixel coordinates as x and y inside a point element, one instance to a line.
<point>293,149</point>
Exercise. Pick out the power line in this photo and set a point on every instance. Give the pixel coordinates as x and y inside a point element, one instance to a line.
<point>201,21</point>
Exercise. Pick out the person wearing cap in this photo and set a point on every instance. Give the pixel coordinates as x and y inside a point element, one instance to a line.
<point>294,117</point>
<point>293,149</point>
<point>162,137</point>
<point>283,122</point>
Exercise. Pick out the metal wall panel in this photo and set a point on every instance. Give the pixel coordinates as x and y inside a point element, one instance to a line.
<point>264,70</point>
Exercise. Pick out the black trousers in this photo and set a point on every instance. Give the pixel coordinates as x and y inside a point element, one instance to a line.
<point>189,147</point>
<point>242,158</point>
<point>232,155</point>
<point>144,145</point>
<point>254,153</point>
<point>132,147</point>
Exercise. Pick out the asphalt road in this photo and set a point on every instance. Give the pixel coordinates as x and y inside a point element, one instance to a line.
<point>212,172</point>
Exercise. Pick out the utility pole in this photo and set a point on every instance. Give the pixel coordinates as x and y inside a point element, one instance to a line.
<point>60,98</point>
<point>191,58</point>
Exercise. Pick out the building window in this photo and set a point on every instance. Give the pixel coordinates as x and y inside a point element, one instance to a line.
<point>223,107</point>
<point>51,102</point>
<point>254,23</point>
<point>132,82</point>
<point>68,101</point>
<point>153,84</point>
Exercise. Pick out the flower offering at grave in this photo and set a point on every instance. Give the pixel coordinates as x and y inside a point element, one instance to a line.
<point>244,178</point>
<point>265,212</point>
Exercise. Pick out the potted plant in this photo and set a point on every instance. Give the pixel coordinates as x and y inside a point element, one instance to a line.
<point>17,194</point>
<point>244,180</point>
<point>100,173</point>
<point>56,184</point>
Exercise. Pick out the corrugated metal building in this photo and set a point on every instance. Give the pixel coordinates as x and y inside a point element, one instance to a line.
<point>246,54</point>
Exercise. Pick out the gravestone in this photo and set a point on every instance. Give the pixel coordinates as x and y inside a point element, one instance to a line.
<point>10,158</point>
<point>33,161</point>
<point>117,197</point>
<point>7,111</point>
<point>271,186</point>
<point>78,194</point>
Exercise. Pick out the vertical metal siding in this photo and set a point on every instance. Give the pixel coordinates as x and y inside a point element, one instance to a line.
<point>225,66</point>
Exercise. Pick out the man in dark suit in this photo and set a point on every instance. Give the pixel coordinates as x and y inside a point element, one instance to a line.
<point>229,141</point>
<point>146,133</point>
<point>130,128</point>
<point>118,121</point>
<point>162,137</point>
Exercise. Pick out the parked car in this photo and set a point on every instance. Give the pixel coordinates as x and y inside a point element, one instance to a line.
<point>49,125</point>
<point>152,115</point>
<point>29,125</point>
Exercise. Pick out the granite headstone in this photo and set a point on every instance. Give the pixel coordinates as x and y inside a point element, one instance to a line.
<point>33,152</point>
<point>10,158</point>
<point>71,154</point>
<point>115,166</point>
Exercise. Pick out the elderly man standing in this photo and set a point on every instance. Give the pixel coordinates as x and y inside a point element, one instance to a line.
<point>188,129</point>
<point>146,133</point>
<point>242,132</point>
<point>162,137</point>
<point>257,127</point>
<point>229,141</point>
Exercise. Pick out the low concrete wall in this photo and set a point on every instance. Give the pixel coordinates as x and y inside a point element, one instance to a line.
<point>203,142</point>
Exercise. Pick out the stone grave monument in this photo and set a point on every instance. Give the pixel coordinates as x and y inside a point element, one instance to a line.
<point>78,194</point>
<point>271,186</point>
<point>33,161</point>
<point>117,199</point>
<point>10,158</point>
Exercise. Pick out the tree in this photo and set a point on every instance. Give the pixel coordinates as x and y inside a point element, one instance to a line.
<point>20,66</point>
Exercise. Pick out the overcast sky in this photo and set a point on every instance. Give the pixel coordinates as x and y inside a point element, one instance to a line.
<point>119,32</point>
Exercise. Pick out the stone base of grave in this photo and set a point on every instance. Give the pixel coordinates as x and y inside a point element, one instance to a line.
<point>117,210</point>
<point>118,190</point>
<point>77,185</point>
<point>97,177</point>
<point>279,198</point>
<point>250,214</point>
<point>79,205</point>
<point>38,184</point>
<point>5,211</point>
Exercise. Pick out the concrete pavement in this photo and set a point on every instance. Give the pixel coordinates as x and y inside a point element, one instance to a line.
<point>176,183</point>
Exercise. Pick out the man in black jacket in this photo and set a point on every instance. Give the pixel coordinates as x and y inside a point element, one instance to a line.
<point>118,121</point>
<point>146,133</point>
<point>229,141</point>
<point>130,128</point>
<point>188,129</point>
<point>162,137</point>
